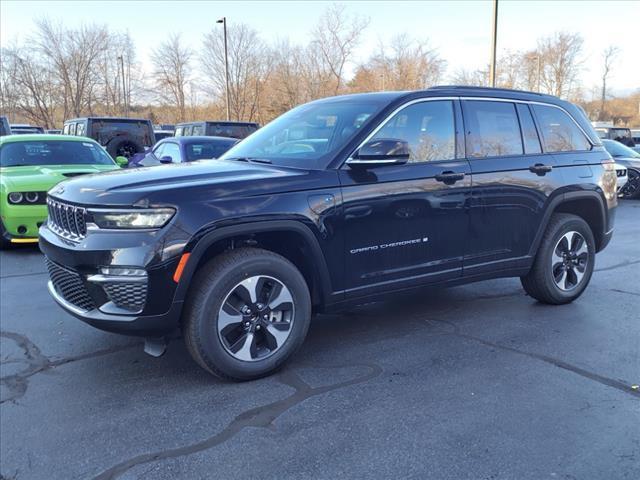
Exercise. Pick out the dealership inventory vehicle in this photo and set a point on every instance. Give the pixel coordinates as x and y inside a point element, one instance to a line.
<point>340,201</point>
<point>216,129</point>
<point>184,149</point>
<point>5,129</point>
<point>630,159</point>
<point>162,134</point>
<point>24,129</point>
<point>32,164</point>
<point>622,135</point>
<point>122,137</point>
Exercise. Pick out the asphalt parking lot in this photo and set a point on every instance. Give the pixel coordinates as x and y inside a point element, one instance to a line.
<point>475,382</point>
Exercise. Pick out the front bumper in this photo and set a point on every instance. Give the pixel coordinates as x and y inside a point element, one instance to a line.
<point>20,223</point>
<point>136,305</point>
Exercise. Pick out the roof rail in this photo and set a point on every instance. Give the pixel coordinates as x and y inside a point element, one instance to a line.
<point>490,89</point>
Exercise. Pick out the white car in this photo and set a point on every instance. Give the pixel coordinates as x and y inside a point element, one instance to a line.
<point>621,174</point>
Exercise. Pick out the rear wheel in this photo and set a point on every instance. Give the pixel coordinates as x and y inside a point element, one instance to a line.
<point>249,311</point>
<point>631,189</point>
<point>564,263</point>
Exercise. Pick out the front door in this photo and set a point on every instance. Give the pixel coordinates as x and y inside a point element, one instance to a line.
<point>406,224</point>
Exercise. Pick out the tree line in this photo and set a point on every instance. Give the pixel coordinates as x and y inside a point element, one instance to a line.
<point>62,72</point>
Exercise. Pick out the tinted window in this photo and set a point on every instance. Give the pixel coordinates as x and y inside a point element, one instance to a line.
<point>616,149</point>
<point>80,129</point>
<point>206,150</point>
<point>53,153</point>
<point>529,132</point>
<point>309,135</point>
<point>492,129</point>
<point>559,131</point>
<point>106,130</point>
<point>428,127</point>
<point>198,130</point>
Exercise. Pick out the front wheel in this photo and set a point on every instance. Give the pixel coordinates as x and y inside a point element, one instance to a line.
<point>564,262</point>
<point>631,189</point>
<point>249,311</point>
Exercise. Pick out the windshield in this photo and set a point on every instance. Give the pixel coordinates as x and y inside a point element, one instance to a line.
<point>616,149</point>
<point>50,152</point>
<point>308,135</point>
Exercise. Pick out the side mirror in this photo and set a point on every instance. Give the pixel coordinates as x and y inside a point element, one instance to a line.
<point>382,151</point>
<point>122,161</point>
<point>166,159</point>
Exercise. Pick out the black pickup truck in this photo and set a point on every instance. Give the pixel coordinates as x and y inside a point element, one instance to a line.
<point>338,202</point>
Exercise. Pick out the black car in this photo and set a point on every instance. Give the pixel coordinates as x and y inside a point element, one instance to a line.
<point>629,158</point>
<point>122,137</point>
<point>337,202</point>
<point>21,129</point>
<point>216,129</point>
<point>619,134</point>
<point>184,149</point>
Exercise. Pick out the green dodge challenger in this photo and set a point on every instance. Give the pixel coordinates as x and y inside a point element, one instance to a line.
<point>32,164</point>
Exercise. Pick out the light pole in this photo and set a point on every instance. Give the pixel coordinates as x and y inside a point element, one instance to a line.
<point>223,21</point>
<point>124,86</point>
<point>494,44</point>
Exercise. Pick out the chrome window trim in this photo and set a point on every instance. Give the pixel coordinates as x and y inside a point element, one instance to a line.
<point>350,158</point>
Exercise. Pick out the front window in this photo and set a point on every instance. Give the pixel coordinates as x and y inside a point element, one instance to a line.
<point>616,149</point>
<point>52,152</point>
<point>309,135</point>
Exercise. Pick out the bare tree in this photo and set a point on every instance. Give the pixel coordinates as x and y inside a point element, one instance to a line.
<point>334,39</point>
<point>476,78</point>
<point>249,66</point>
<point>560,56</point>
<point>608,57</point>
<point>172,72</point>
<point>73,53</point>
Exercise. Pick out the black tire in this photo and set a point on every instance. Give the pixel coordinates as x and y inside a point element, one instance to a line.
<point>541,283</point>
<point>214,284</point>
<point>124,148</point>
<point>5,244</point>
<point>631,190</point>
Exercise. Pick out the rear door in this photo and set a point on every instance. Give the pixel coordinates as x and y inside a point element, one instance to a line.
<point>512,180</point>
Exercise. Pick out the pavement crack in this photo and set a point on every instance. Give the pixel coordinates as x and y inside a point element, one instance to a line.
<point>18,275</point>
<point>258,417</point>
<point>610,382</point>
<point>618,265</point>
<point>17,383</point>
<point>625,292</point>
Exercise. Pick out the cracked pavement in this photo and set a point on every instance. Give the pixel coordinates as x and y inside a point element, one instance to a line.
<point>474,382</point>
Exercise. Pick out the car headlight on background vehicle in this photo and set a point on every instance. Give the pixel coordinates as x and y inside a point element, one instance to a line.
<point>25,198</point>
<point>130,219</point>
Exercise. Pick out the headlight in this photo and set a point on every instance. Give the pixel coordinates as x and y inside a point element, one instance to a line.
<point>21,198</point>
<point>131,219</point>
<point>15,197</point>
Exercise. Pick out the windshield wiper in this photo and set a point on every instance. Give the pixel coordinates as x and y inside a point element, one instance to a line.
<point>251,160</point>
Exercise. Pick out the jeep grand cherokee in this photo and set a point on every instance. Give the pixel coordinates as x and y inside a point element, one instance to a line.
<point>336,202</point>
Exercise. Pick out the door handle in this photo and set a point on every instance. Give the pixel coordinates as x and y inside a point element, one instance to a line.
<point>540,169</point>
<point>448,177</point>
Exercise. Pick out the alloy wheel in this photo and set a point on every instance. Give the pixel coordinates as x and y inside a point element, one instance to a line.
<point>256,318</point>
<point>569,261</point>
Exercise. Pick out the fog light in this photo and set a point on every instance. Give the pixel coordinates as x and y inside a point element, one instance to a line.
<point>124,271</point>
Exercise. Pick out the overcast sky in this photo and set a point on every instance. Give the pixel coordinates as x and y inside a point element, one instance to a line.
<point>459,30</point>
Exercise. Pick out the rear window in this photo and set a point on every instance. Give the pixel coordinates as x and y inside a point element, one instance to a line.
<point>559,132</point>
<point>56,152</point>
<point>493,129</point>
<point>206,150</point>
<point>231,131</point>
<point>105,131</point>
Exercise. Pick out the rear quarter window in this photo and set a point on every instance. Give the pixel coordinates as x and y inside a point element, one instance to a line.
<point>559,132</point>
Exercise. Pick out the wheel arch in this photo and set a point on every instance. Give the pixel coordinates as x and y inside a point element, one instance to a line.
<point>299,245</point>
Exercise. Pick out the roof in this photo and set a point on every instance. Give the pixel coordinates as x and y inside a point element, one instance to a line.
<point>198,138</point>
<point>43,136</point>
<point>217,122</point>
<point>120,119</point>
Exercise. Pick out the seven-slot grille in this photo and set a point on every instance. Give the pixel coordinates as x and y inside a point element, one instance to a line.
<point>66,220</point>
<point>70,286</point>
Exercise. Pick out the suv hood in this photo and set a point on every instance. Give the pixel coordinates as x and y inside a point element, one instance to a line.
<point>42,178</point>
<point>210,179</point>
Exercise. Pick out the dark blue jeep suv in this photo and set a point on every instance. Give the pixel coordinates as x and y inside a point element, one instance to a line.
<point>336,202</point>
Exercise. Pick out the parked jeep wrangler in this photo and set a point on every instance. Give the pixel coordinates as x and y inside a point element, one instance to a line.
<point>337,202</point>
<point>122,137</point>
